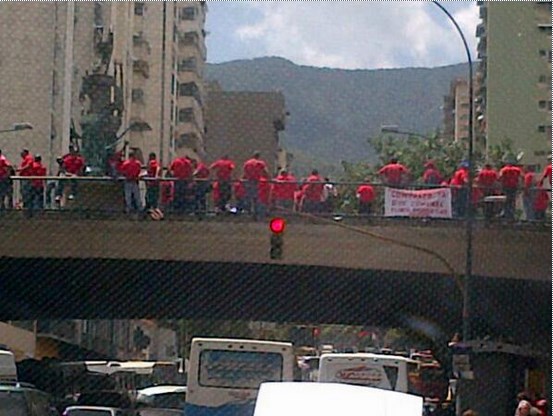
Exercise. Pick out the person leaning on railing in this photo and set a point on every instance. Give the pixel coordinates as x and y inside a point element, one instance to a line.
<point>131,169</point>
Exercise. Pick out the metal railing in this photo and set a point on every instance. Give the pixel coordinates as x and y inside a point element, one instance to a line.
<point>107,195</point>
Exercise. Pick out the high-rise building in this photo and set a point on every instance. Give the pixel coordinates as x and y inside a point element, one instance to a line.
<point>514,100</point>
<point>101,73</point>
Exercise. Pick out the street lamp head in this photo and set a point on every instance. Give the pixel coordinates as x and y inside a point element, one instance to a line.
<point>22,126</point>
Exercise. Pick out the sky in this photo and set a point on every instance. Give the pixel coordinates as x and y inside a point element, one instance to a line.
<point>342,34</point>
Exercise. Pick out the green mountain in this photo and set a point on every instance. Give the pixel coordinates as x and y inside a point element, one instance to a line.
<point>333,112</point>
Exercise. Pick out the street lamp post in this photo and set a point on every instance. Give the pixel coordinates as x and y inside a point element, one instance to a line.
<point>470,212</point>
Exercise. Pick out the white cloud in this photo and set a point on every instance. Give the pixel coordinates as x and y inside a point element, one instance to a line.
<point>376,34</point>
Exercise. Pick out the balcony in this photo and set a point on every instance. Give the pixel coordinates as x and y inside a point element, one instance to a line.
<point>142,67</point>
<point>481,30</point>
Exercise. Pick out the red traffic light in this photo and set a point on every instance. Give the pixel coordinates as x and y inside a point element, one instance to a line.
<point>277,225</point>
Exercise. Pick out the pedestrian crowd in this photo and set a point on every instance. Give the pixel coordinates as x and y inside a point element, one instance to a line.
<point>187,183</point>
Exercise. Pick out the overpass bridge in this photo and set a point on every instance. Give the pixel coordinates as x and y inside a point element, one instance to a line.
<point>67,266</point>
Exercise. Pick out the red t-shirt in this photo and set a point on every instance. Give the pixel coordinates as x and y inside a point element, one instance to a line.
<point>285,187</point>
<point>541,203</point>
<point>202,171</point>
<point>223,168</point>
<point>487,177</point>
<point>239,190</point>
<point>152,172</point>
<point>393,173</point>
<point>460,178</point>
<point>182,168</point>
<point>131,169</point>
<point>529,180</point>
<point>312,190</point>
<point>366,194</point>
<point>509,176</point>
<point>432,176</point>
<point>26,167</point>
<point>4,167</point>
<point>37,170</point>
<point>216,193</point>
<point>73,164</point>
<point>254,169</point>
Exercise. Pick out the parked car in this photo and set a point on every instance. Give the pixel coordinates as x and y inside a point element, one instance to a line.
<point>23,399</point>
<point>93,411</point>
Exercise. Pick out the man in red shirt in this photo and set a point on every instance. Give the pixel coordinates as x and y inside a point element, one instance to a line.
<point>153,173</point>
<point>131,170</point>
<point>313,189</point>
<point>74,165</point>
<point>366,196</point>
<point>510,178</point>
<point>284,187</point>
<point>182,171</point>
<point>394,174</point>
<point>5,168</point>
<point>459,183</point>
<point>254,169</point>
<point>223,169</point>
<point>486,180</point>
<point>37,186</point>
<point>431,175</point>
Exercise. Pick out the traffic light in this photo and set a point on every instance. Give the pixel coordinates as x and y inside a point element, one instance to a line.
<point>277,227</point>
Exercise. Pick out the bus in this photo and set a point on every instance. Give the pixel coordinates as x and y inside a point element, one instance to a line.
<point>389,372</point>
<point>224,375</point>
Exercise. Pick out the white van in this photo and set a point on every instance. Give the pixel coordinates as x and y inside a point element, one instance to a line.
<point>388,372</point>
<point>8,370</point>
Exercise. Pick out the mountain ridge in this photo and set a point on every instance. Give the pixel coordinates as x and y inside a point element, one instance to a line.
<point>335,111</point>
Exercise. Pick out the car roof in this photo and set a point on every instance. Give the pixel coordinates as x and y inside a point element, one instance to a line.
<point>154,390</point>
<point>92,408</point>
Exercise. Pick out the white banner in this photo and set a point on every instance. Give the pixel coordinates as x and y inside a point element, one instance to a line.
<point>429,203</point>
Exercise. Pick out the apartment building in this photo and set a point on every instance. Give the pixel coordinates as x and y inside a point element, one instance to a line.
<point>240,123</point>
<point>514,100</point>
<point>101,73</point>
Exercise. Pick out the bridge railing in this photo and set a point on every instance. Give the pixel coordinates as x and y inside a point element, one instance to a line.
<point>107,195</point>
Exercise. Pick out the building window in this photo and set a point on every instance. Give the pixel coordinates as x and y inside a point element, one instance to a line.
<point>545,54</point>
<point>137,95</point>
<point>139,7</point>
<point>185,140</point>
<point>189,38</point>
<point>545,129</point>
<point>188,13</point>
<point>190,89</point>
<point>545,105</point>
<point>188,65</point>
<point>186,115</point>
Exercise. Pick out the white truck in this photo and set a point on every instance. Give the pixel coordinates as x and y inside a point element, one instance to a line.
<point>388,372</point>
<point>8,370</point>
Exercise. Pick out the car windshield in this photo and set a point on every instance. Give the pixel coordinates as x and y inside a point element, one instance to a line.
<point>13,404</point>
